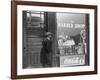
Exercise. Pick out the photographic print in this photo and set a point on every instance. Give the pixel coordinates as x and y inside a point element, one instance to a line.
<point>53,39</point>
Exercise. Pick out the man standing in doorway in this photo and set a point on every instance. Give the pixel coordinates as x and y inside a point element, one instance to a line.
<point>46,50</point>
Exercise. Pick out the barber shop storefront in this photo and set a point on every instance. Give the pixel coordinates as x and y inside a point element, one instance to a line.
<point>55,39</point>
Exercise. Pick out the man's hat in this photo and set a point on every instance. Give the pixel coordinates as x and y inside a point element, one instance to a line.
<point>48,33</point>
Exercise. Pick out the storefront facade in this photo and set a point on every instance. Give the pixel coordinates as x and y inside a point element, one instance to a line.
<point>70,38</point>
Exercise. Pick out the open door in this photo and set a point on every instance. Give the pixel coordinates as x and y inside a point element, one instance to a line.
<point>51,23</point>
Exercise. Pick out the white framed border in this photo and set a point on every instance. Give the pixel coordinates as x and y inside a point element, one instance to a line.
<point>21,71</point>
